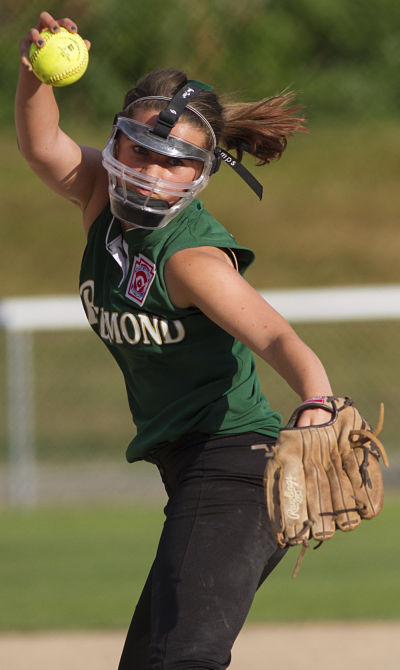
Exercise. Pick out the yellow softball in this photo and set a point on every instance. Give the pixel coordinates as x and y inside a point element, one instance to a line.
<point>62,59</point>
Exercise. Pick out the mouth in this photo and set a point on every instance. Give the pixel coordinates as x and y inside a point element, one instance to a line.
<point>149,194</point>
<point>143,198</point>
<point>146,192</point>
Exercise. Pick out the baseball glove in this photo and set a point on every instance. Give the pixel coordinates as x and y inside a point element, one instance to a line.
<point>320,478</point>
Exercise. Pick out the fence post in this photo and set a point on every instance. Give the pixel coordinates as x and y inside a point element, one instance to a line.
<point>21,430</point>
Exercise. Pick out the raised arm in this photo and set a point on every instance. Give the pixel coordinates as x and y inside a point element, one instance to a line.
<point>74,172</point>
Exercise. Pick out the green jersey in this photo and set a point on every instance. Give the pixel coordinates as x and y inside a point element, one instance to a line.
<point>183,373</point>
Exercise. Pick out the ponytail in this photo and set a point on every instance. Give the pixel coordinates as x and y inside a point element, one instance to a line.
<point>260,128</point>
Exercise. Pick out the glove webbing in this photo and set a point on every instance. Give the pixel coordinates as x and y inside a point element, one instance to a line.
<point>376,450</point>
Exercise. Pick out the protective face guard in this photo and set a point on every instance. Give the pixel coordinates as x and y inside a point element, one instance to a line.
<point>169,146</point>
<point>152,210</point>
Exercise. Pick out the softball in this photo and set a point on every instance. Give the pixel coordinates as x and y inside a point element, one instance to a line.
<point>62,59</point>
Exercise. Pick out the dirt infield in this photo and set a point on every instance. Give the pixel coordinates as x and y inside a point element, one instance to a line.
<point>352,646</point>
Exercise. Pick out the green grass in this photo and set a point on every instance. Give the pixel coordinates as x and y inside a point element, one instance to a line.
<point>329,214</point>
<point>352,576</point>
<point>76,567</point>
<point>84,568</point>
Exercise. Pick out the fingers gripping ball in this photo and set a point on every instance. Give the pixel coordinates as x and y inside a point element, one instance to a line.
<point>62,59</point>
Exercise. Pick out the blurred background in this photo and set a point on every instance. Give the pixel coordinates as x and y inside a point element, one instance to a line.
<point>329,218</point>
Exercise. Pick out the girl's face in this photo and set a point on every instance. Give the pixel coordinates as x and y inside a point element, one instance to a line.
<point>156,165</point>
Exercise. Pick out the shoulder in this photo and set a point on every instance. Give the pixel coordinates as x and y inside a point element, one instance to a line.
<point>197,229</point>
<point>201,224</point>
<point>197,257</point>
<point>191,272</point>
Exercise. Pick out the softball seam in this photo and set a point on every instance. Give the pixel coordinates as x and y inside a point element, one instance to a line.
<point>67,73</point>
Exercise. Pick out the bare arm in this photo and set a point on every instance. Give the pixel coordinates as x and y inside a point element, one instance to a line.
<point>72,171</point>
<point>204,278</point>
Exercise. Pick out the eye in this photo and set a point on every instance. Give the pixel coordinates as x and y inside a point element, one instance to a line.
<point>176,162</point>
<point>141,151</point>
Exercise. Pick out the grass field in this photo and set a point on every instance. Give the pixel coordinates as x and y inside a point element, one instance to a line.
<point>329,213</point>
<point>83,567</point>
<point>329,217</point>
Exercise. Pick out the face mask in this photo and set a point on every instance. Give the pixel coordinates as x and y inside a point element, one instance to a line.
<point>152,210</point>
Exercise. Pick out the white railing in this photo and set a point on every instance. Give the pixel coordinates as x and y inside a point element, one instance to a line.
<point>22,316</point>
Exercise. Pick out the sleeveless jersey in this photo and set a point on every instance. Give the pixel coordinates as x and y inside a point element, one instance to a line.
<point>182,372</point>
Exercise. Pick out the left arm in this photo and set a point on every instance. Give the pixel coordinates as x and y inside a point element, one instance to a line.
<point>204,278</point>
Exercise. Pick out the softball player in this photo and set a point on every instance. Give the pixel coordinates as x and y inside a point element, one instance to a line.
<point>162,285</point>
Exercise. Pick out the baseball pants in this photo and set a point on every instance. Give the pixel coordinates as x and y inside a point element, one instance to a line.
<point>215,550</point>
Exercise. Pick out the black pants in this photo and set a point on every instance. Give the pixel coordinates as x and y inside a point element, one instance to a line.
<point>216,549</point>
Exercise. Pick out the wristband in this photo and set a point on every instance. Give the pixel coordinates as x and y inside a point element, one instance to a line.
<point>321,399</point>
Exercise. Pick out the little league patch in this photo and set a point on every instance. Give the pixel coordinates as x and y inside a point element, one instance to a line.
<point>142,275</point>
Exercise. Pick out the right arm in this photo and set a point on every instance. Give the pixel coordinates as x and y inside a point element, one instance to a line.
<point>72,171</point>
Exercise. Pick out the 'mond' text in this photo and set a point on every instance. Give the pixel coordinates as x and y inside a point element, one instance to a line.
<point>127,327</point>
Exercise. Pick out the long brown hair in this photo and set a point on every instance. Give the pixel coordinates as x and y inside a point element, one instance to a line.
<point>261,128</point>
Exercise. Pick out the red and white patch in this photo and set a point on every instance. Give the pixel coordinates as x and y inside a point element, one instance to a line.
<point>142,275</point>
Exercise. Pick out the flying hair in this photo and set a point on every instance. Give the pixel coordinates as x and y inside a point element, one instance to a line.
<point>260,128</point>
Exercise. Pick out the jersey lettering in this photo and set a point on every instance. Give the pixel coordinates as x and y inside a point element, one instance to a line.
<point>130,328</point>
<point>87,295</point>
<point>149,328</point>
<point>109,327</point>
<point>127,327</point>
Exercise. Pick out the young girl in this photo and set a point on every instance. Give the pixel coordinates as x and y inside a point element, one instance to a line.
<point>162,285</point>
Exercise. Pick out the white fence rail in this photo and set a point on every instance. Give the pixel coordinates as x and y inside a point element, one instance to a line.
<point>297,305</point>
<point>21,317</point>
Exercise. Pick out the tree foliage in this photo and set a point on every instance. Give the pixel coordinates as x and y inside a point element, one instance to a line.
<point>342,56</point>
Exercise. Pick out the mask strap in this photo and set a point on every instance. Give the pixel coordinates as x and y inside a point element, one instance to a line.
<point>169,116</point>
<point>239,168</point>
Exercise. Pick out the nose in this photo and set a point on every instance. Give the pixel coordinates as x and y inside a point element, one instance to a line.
<point>152,169</point>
